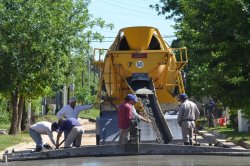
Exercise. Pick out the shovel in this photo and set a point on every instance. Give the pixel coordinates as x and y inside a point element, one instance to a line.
<point>60,144</point>
<point>195,133</point>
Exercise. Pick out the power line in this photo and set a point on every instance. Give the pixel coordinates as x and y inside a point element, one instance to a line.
<point>126,8</point>
<point>121,13</point>
<point>105,30</point>
<point>165,36</point>
<point>132,4</point>
<point>170,36</point>
<point>101,41</point>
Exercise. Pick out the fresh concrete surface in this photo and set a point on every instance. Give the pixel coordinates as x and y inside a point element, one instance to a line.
<point>125,150</point>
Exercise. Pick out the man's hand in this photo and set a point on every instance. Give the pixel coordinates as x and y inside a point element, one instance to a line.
<point>145,119</point>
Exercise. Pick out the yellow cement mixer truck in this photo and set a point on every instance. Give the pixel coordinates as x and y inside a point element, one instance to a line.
<point>140,62</point>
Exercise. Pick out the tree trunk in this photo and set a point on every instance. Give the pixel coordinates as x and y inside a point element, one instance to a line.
<point>17,106</point>
<point>14,118</point>
<point>24,117</point>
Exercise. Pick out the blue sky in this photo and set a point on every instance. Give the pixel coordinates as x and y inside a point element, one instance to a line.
<point>126,13</point>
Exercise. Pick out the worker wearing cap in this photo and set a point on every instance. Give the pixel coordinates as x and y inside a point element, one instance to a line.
<point>127,113</point>
<point>188,114</point>
<point>71,110</point>
<point>44,127</point>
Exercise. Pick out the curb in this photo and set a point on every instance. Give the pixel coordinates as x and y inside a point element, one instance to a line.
<point>221,140</point>
<point>243,144</point>
<point>239,143</point>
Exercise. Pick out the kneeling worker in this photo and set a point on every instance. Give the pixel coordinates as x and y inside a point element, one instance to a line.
<point>74,130</point>
<point>44,127</point>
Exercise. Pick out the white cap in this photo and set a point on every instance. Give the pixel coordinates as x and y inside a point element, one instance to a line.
<point>72,99</point>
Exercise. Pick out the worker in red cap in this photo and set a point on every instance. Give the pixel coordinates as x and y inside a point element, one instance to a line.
<point>188,114</point>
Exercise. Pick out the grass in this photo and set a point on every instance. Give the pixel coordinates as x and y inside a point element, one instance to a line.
<point>233,135</point>
<point>10,140</point>
<point>91,114</point>
<point>50,118</point>
<point>4,126</point>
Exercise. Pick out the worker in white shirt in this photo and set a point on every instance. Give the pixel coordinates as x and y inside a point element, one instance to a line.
<point>71,110</point>
<point>44,127</point>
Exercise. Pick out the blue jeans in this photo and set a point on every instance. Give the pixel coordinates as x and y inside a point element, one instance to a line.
<point>37,138</point>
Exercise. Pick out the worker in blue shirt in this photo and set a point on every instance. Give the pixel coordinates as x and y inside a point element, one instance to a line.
<point>74,130</point>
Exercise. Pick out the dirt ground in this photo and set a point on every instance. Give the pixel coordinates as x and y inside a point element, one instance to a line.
<point>89,138</point>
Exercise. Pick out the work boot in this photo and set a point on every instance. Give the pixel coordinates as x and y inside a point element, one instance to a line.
<point>38,149</point>
<point>186,143</point>
<point>190,143</point>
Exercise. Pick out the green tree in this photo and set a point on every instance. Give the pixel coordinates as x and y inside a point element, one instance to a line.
<point>37,40</point>
<point>217,35</point>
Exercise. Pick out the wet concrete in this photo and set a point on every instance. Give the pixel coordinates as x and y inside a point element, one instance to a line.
<point>125,150</point>
<point>145,160</point>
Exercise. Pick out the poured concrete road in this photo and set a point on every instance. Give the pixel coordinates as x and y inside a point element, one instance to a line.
<point>159,160</point>
<point>125,150</point>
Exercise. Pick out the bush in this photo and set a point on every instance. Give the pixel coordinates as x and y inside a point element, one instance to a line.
<point>4,117</point>
<point>233,120</point>
<point>4,114</point>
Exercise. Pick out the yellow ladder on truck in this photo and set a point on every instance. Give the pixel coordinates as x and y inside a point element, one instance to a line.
<point>181,61</point>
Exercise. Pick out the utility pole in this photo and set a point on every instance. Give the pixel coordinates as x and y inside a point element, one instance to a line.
<point>28,116</point>
<point>64,94</point>
<point>88,62</point>
<point>82,76</point>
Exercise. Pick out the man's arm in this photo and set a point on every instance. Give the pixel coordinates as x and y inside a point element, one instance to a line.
<point>180,115</point>
<point>144,119</point>
<point>197,112</point>
<point>136,115</point>
<point>84,107</point>
<point>58,138</point>
<point>49,133</point>
<point>60,114</point>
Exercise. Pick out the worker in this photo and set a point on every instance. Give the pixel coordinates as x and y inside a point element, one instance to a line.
<point>74,130</point>
<point>126,114</point>
<point>71,110</point>
<point>188,114</point>
<point>44,127</point>
<point>211,110</point>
